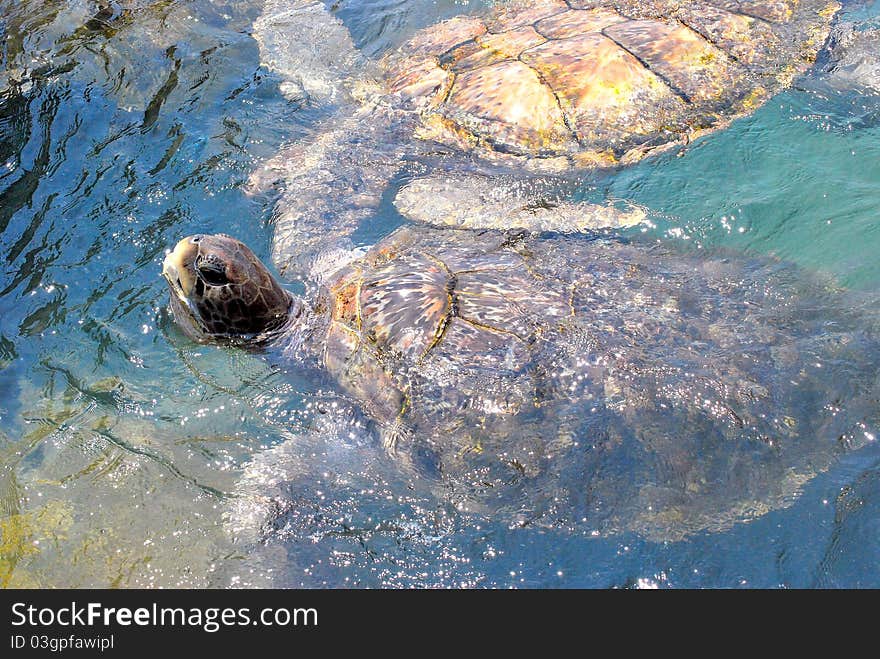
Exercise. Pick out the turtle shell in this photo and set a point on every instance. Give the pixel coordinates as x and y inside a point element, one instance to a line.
<point>678,392</point>
<point>602,82</point>
<point>457,309</point>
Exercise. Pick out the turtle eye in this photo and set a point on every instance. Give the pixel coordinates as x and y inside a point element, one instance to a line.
<point>212,271</point>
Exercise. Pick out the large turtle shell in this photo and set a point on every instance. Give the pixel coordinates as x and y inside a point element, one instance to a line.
<point>449,310</point>
<point>673,392</point>
<point>602,82</point>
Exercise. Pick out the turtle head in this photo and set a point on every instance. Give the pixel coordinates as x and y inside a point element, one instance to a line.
<point>221,290</point>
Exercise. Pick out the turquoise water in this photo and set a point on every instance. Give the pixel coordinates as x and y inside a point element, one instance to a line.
<point>121,441</point>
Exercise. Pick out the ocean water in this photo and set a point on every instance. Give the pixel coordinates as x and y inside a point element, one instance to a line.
<point>122,443</point>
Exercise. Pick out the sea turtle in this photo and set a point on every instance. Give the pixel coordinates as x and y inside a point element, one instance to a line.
<point>542,86</point>
<point>630,384</point>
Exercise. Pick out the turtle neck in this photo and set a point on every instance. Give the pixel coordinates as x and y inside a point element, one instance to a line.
<point>296,336</point>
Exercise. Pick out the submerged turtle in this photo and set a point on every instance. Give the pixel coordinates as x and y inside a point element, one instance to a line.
<point>547,86</point>
<point>627,384</point>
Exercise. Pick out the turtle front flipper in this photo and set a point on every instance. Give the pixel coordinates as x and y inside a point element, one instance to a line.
<point>309,48</point>
<point>289,480</point>
<point>482,202</point>
<point>851,59</point>
<point>330,184</point>
<point>332,180</point>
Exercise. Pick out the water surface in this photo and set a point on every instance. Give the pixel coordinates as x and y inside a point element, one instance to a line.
<point>121,441</point>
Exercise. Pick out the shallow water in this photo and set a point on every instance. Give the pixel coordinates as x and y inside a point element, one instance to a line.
<point>121,441</point>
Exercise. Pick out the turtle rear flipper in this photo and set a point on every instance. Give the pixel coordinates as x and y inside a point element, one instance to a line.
<point>481,202</point>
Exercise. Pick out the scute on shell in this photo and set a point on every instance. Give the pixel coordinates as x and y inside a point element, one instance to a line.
<point>584,79</point>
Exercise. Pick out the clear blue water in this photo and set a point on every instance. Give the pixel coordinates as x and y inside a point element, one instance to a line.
<point>121,441</point>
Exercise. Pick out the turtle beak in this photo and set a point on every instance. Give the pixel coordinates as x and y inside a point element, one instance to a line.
<point>169,271</point>
<point>178,273</point>
<point>175,270</point>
